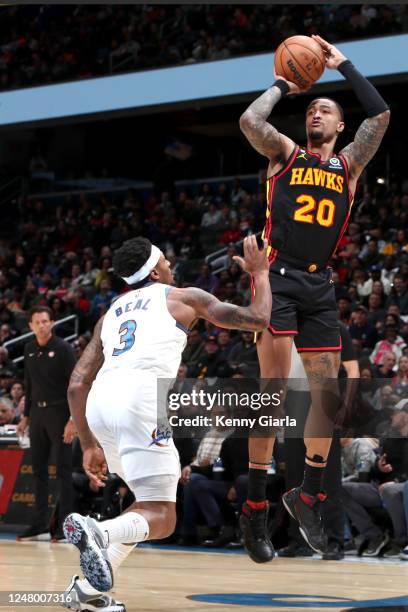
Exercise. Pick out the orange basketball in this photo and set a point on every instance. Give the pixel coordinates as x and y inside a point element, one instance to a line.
<point>301,60</point>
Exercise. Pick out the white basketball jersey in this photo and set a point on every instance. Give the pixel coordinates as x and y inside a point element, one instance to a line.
<point>139,333</point>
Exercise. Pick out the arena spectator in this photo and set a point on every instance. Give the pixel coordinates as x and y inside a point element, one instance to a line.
<point>363,334</point>
<point>366,288</point>
<point>212,363</point>
<point>385,367</point>
<point>136,38</point>
<point>5,361</point>
<point>399,294</point>
<point>344,309</point>
<point>103,299</point>
<point>232,234</point>
<point>212,495</point>
<point>207,281</point>
<point>195,349</point>
<point>375,313</point>
<point>358,457</point>
<point>392,342</point>
<point>225,343</point>
<point>7,413</point>
<point>243,354</point>
<point>199,469</point>
<point>212,218</point>
<point>400,381</point>
<point>17,397</point>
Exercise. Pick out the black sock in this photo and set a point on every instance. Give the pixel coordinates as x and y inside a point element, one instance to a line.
<point>257,484</point>
<point>313,479</point>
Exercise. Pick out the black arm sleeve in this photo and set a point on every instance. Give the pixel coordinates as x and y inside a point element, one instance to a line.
<point>367,94</point>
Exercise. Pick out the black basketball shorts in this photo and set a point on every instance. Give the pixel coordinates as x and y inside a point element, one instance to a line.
<point>304,305</point>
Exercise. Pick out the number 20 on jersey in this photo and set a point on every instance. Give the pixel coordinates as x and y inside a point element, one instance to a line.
<point>321,212</point>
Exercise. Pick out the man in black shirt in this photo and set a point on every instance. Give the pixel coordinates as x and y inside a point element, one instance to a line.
<point>48,363</point>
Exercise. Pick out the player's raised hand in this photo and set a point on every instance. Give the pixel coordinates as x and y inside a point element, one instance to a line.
<point>255,260</point>
<point>334,57</point>
<point>95,466</point>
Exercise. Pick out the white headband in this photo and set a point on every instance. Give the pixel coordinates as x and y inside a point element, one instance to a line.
<point>146,268</point>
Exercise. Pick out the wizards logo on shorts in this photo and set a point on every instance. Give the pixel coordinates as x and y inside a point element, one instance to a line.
<point>161,436</point>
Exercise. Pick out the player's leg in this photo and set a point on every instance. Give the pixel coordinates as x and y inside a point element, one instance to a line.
<point>80,531</point>
<point>105,545</point>
<point>303,502</point>
<point>319,344</point>
<point>322,372</point>
<point>274,354</point>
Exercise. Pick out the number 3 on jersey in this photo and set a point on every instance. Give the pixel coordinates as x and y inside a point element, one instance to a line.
<point>308,214</point>
<point>127,331</point>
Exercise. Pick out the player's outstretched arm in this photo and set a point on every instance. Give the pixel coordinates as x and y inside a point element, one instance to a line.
<point>370,133</point>
<point>260,133</point>
<point>255,317</point>
<point>80,384</point>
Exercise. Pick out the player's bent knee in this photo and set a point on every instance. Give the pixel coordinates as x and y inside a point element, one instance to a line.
<point>168,519</point>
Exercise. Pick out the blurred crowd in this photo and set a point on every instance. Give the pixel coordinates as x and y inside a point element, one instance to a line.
<point>52,43</point>
<point>60,254</point>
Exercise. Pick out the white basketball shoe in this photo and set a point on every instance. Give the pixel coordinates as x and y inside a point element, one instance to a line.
<point>77,600</point>
<point>84,533</point>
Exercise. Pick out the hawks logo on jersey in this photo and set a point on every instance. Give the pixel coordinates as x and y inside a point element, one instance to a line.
<point>308,207</point>
<point>317,176</point>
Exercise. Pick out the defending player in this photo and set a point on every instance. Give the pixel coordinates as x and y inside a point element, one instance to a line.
<point>140,340</point>
<point>310,193</point>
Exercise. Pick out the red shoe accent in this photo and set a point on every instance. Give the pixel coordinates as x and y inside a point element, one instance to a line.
<point>257,505</point>
<point>322,497</point>
<point>309,500</point>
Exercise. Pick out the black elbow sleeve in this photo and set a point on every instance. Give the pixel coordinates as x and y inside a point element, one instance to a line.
<point>367,94</point>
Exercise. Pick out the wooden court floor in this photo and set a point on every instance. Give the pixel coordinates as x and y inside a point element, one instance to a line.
<point>155,579</point>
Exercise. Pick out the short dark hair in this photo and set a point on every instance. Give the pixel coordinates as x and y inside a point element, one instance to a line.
<point>131,256</point>
<point>38,309</point>
<point>339,108</point>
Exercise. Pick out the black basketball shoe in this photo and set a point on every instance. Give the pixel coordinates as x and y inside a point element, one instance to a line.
<point>304,509</point>
<point>257,543</point>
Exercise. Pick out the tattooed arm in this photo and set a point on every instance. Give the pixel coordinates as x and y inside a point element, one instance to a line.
<point>80,384</point>
<point>366,143</point>
<point>230,316</point>
<point>372,130</point>
<point>261,134</point>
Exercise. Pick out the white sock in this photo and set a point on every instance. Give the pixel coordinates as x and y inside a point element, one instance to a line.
<point>128,528</point>
<point>117,553</point>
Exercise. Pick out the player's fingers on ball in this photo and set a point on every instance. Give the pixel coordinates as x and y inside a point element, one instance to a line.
<point>321,40</point>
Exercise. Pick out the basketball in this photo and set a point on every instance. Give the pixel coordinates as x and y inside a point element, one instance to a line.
<point>301,60</point>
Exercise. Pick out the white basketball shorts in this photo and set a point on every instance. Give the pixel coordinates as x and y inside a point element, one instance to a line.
<point>122,413</point>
